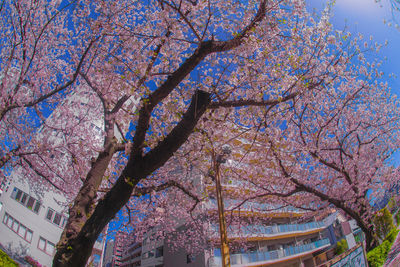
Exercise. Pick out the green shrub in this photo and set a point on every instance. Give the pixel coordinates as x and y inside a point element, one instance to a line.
<point>357,238</point>
<point>391,237</point>
<point>392,205</point>
<point>383,222</point>
<point>5,260</point>
<point>377,256</point>
<point>341,246</point>
<point>397,217</point>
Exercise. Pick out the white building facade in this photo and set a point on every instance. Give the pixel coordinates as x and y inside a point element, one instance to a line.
<point>31,222</point>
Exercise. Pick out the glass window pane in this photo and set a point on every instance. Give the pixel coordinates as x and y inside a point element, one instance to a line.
<point>42,244</point>
<point>22,231</point>
<point>30,203</point>
<point>23,199</point>
<point>5,218</point>
<point>57,218</point>
<point>15,226</point>
<point>14,193</point>
<point>50,248</point>
<point>37,207</point>
<point>49,214</point>
<point>10,221</point>
<point>159,252</point>
<point>19,194</point>
<point>64,221</point>
<point>28,236</point>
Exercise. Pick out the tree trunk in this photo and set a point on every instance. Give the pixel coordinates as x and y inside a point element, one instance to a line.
<point>74,250</point>
<point>370,239</point>
<point>366,227</point>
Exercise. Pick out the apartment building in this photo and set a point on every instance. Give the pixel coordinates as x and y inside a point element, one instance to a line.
<point>283,241</point>
<point>108,253</point>
<point>132,254</point>
<point>128,252</point>
<point>279,238</point>
<point>270,235</point>
<point>32,223</point>
<point>33,218</point>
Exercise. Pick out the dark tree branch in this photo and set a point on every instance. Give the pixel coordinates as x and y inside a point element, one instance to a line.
<point>179,134</point>
<point>205,48</point>
<point>42,175</point>
<point>119,104</point>
<point>277,194</point>
<point>341,204</point>
<point>135,170</point>
<point>243,102</point>
<point>140,191</point>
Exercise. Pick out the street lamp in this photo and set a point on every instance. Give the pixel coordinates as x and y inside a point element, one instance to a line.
<point>220,158</point>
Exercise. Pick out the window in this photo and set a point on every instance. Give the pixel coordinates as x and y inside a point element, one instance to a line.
<point>42,244</point>
<point>22,230</point>
<point>159,251</point>
<point>26,200</point>
<point>46,246</point>
<point>190,258</point>
<point>19,194</point>
<point>30,203</point>
<point>23,199</point>
<point>56,218</point>
<point>10,222</point>
<point>64,221</point>
<point>37,207</point>
<point>17,227</point>
<point>148,254</point>
<point>28,236</point>
<point>13,193</point>
<point>50,248</point>
<point>49,214</point>
<point>5,218</point>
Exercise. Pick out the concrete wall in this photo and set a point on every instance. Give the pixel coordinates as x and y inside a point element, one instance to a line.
<point>180,258</point>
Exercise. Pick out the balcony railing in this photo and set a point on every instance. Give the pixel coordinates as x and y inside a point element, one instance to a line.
<point>271,230</point>
<point>244,184</point>
<point>252,206</point>
<point>263,257</point>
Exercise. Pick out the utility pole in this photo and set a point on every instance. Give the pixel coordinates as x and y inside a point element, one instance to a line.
<point>226,262</point>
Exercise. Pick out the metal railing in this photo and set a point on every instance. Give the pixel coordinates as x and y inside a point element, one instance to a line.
<point>260,230</point>
<point>252,206</point>
<point>262,256</point>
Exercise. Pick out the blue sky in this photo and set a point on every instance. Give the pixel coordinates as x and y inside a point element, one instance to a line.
<point>367,17</point>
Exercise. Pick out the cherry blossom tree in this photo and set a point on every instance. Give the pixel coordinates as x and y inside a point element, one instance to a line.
<point>34,75</point>
<point>166,83</point>
<point>342,150</point>
<point>331,148</point>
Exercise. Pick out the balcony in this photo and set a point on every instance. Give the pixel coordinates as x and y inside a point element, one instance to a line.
<point>261,232</point>
<point>253,207</point>
<point>267,257</point>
